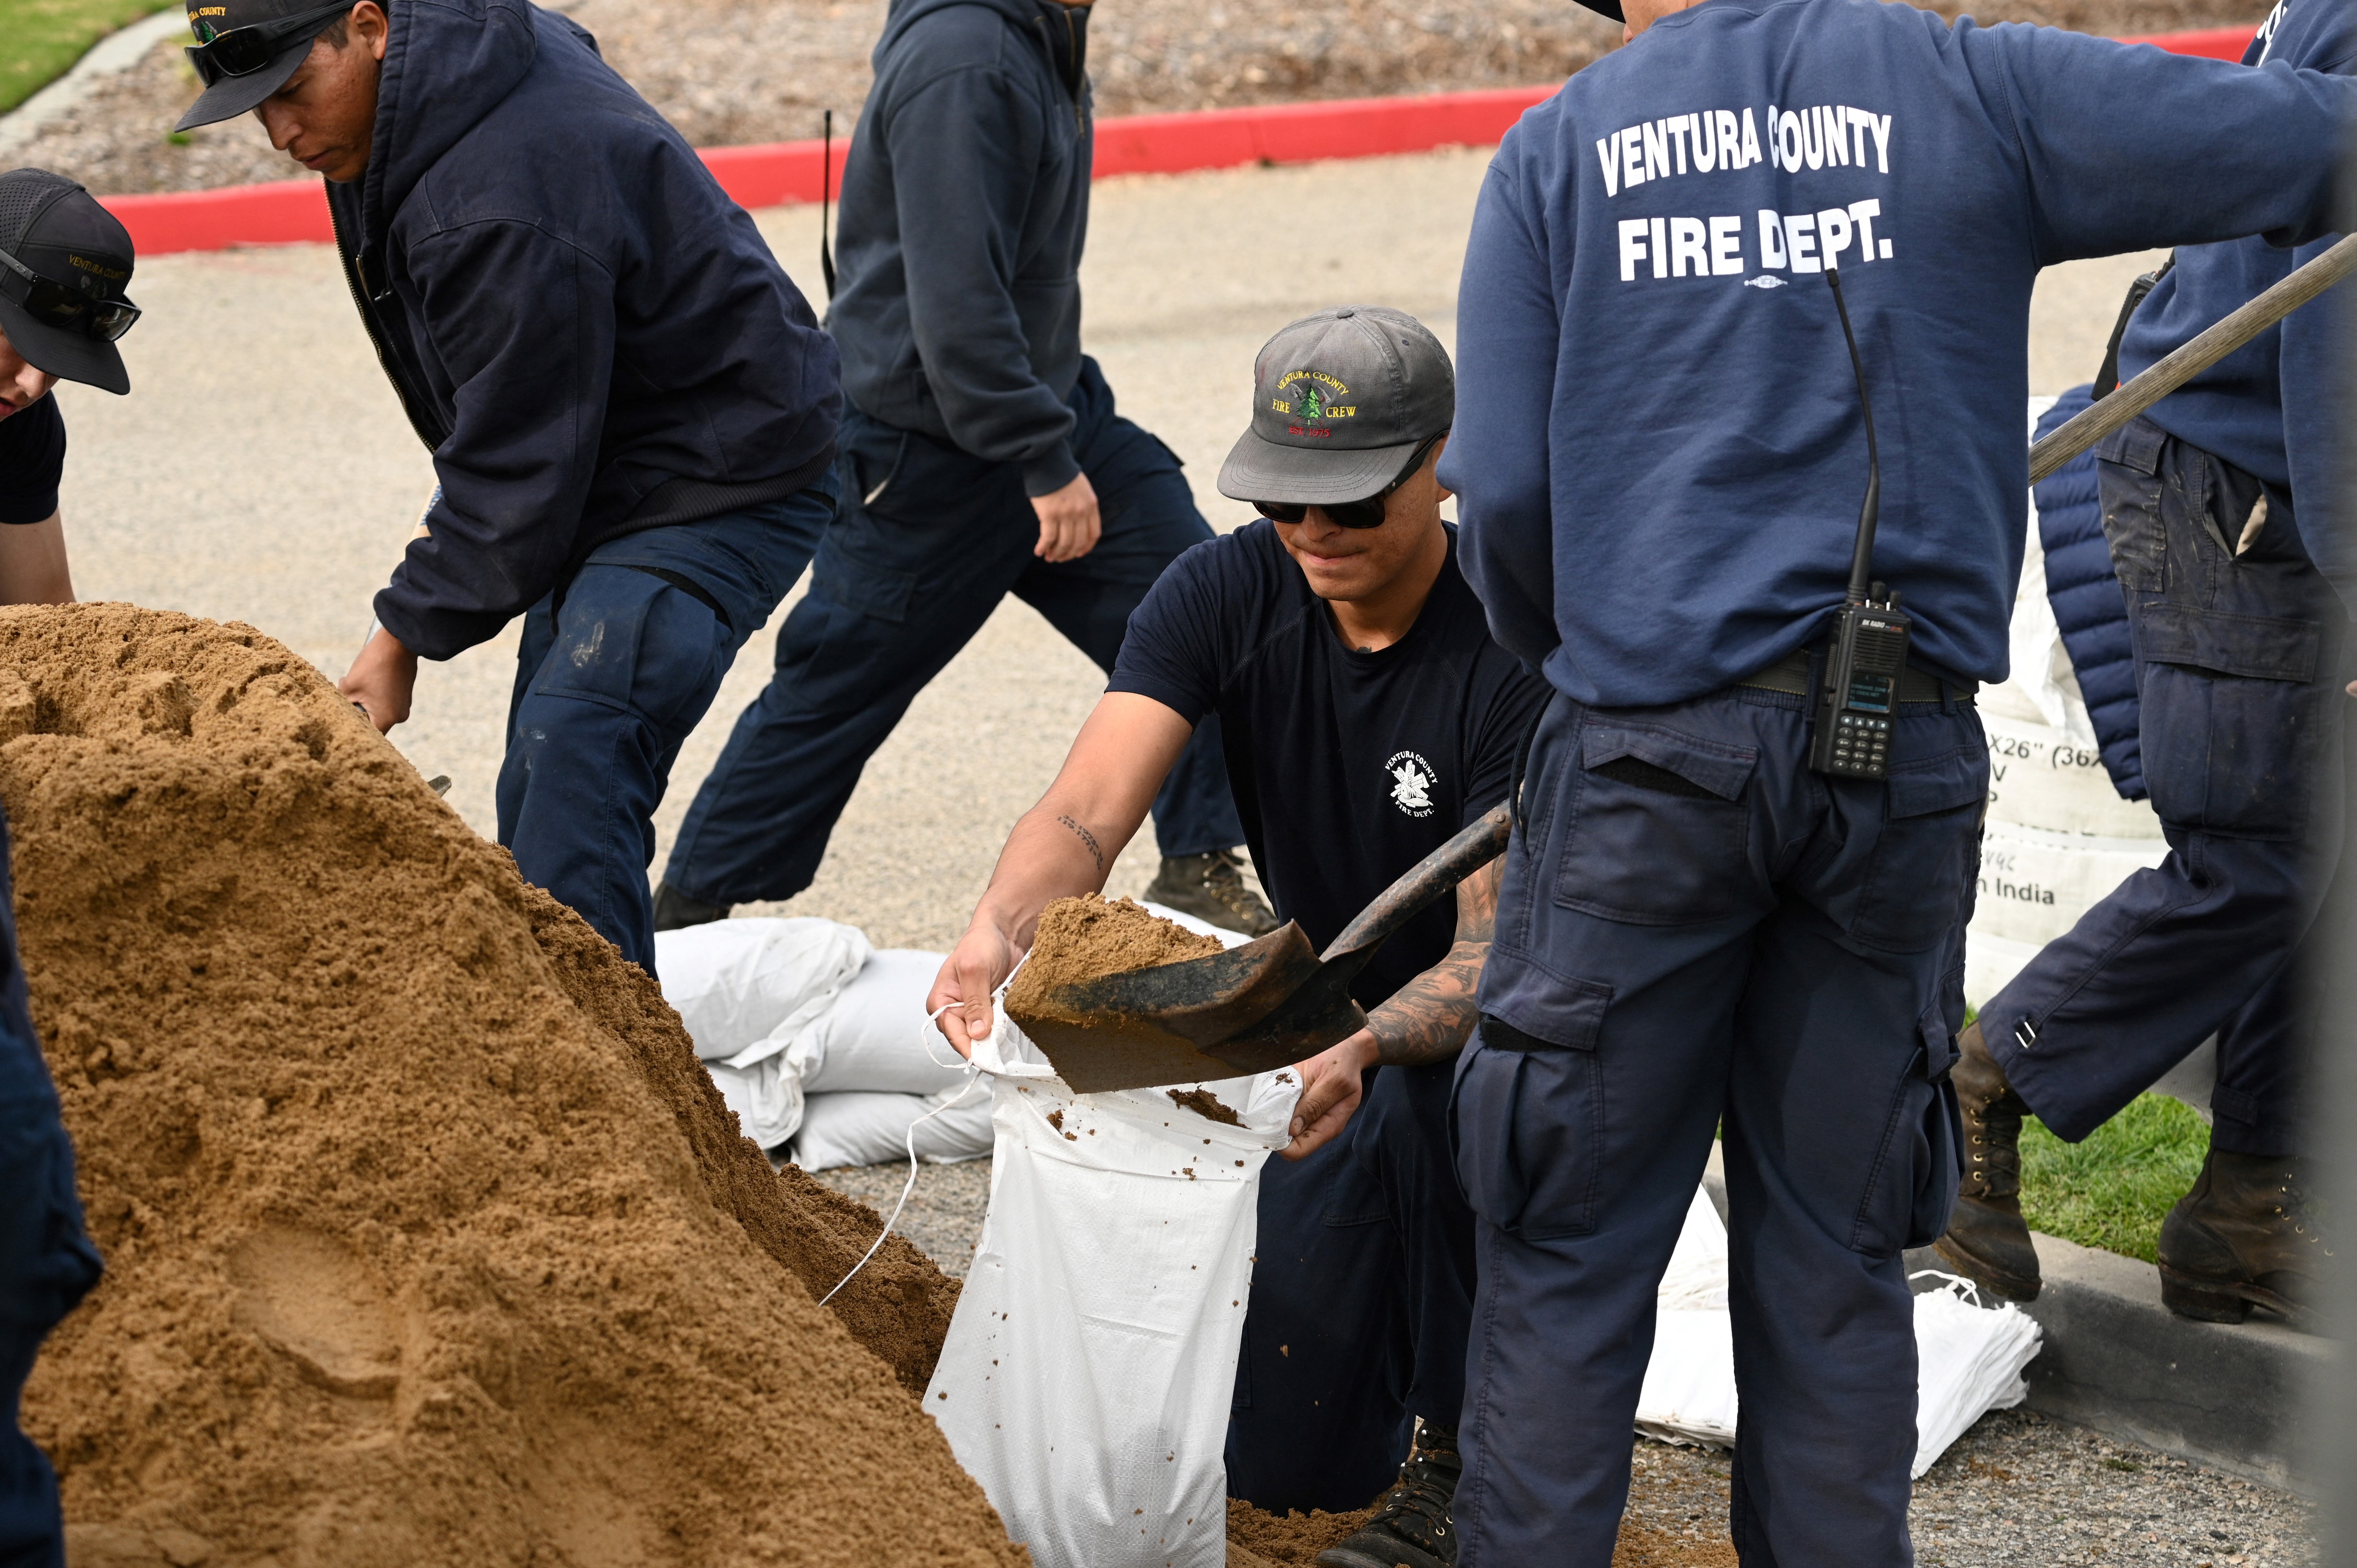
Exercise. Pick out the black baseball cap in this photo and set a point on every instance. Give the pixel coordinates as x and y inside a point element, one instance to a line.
<point>1606,8</point>
<point>243,70</point>
<point>52,227</point>
<point>1341,400</point>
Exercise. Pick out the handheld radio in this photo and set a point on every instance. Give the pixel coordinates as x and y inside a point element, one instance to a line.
<point>1857,691</point>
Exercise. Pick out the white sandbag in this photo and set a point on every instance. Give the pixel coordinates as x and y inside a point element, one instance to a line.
<point>1969,1361</point>
<point>872,1129</point>
<point>1696,1276</point>
<point>877,1039</point>
<point>1688,1396</point>
<point>1087,1375</point>
<point>751,992</point>
<point>746,988</point>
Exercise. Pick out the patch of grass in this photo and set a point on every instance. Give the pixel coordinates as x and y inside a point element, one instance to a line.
<point>2114,1190</point>
<point>40,39</point>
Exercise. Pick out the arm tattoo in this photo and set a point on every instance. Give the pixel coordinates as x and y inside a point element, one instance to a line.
<point>1430,1018</point>
<point>1087,838</point>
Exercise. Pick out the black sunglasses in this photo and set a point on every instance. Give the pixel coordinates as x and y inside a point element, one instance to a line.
<point>241,51</point>
<point>1365,513</point>
<point>63,306</point>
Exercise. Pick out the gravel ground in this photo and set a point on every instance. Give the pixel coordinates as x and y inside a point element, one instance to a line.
<point>2017,1489</point>
<point>943,1219</point>
<point>735,72</point>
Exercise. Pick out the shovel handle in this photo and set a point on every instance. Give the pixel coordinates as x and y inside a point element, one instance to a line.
<point>1435,874</point>
<point>2116,408</point>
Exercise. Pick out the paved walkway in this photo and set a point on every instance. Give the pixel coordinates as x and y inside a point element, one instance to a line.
<point>262,472</point>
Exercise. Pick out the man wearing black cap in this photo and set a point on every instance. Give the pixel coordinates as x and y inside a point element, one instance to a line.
<point>630,407</point>
<point>982,457</point>
<point>1368,717</point>
<point>64,265</point>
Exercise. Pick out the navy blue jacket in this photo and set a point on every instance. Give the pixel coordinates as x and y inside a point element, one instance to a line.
<point>2272,407</point>
<point>1658,451</point>
<point>589,335</point>
<point>2089,607</point>
<point>965,203</point>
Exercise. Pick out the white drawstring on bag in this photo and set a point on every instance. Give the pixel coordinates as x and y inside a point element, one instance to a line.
<point>973,1077</point>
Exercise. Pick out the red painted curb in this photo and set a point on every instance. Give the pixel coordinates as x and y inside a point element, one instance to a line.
<point>783,173</point>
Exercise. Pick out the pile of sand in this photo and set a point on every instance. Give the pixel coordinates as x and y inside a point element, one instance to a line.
<point>428,1241</point>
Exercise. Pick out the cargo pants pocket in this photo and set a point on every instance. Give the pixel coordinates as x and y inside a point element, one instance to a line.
<point>1656,830</point>
<point>1527,1119</point>
<point>1911,1186</point>
<point>1921,872</point>
<point>2230,710</point>
<point>2128,486</point>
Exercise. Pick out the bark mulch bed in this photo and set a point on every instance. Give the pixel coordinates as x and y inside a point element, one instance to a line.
<point>735,72</point>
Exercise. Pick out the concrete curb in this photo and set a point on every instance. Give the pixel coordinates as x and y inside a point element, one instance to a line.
<point>116,52</point>
<point>784,172</point>
<point>2225,1395</point>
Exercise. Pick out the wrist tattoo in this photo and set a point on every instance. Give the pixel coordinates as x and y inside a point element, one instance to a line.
<point>1087,838</point>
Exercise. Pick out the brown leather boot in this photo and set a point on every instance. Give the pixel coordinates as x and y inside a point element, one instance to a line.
<point>1988,1240</point>
<point>2243,1237</point>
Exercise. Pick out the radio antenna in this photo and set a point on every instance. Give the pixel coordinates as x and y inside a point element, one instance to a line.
<point>1861,560</point>
<point>827,189</point>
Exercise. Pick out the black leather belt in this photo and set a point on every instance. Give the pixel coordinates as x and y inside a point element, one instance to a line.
<point>1789,675</point>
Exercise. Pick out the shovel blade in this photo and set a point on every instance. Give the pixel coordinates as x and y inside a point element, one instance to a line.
<point>1319,1015</point>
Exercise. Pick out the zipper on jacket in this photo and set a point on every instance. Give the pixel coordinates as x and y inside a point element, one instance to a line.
<point>1075,79</point>
<point>356,279</point>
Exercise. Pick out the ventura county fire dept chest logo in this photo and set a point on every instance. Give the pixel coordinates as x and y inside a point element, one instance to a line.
<point>1412,783</point>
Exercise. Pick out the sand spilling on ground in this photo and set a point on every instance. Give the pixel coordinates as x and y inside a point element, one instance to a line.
<point>428,1241</point>
<point>1258,1539</point>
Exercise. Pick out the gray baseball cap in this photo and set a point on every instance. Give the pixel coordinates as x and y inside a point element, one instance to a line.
<point>1341,400</point>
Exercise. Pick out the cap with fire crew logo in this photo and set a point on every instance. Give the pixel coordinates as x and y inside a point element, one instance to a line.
<point>245,51</point>
<point>71,265</point>
<point>1341,401</point>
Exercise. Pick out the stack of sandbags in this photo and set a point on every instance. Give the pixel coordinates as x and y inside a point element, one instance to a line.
<point>1969,1358</point>
<point>2058,838</point>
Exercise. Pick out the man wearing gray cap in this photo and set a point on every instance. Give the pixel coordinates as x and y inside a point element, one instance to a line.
<point>1368,717</point>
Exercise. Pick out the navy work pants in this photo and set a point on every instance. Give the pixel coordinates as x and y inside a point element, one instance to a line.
<point>2240,658</point>
<point>615,670</point>
<point>1361,1296</point>
<point>929,541</point>
<point>1695,930</point>
<point>47,1263</point>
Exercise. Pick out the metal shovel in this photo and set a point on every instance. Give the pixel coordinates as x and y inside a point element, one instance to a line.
<point>1267,1004</point>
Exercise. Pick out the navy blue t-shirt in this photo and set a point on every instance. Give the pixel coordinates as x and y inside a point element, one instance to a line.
<point>32,461</point>
<point>2272,407</point>
<point>1348,768</point>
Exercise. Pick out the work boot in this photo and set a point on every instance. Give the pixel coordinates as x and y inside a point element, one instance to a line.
<point>674,909</point>
<point>1210,886</point>
<point>2243,1237</point>
<point>1413,1527</point>
<point>1988,1240</point>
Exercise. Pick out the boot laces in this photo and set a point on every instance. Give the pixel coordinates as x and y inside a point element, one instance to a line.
<point>1417,1506</point>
